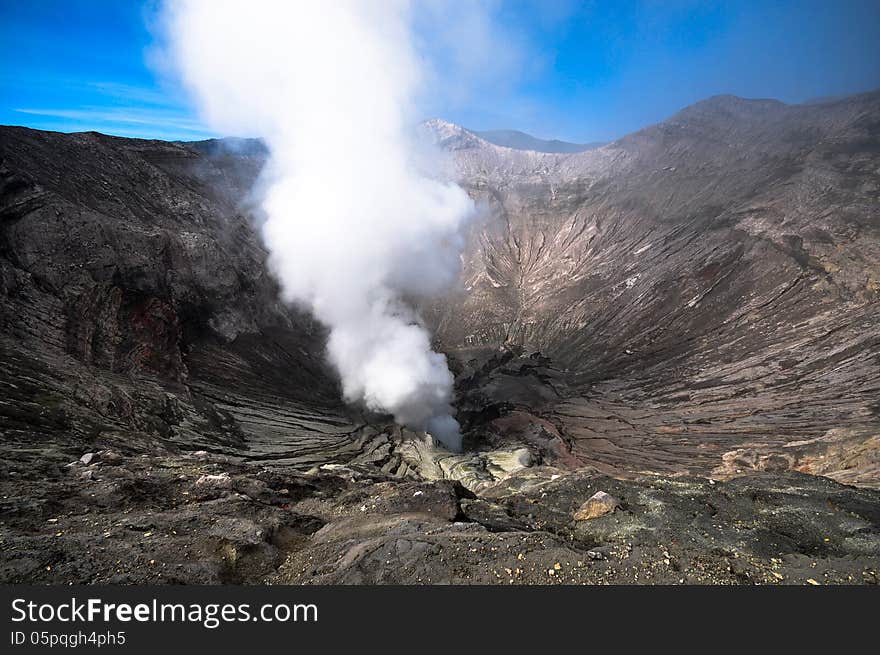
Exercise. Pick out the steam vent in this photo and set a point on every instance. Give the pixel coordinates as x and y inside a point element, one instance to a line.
<point>665,350</point>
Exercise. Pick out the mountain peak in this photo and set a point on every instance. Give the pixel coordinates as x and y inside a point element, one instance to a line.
<point>455,137</point>
<point>451,136</point>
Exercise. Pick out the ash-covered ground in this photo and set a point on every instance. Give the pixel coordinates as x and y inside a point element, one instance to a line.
<point>666,349</point>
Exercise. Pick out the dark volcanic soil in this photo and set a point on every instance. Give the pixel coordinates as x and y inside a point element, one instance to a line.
<point>201,518</point>
<point>687,319</point>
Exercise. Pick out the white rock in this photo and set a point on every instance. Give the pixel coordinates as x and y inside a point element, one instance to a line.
<point>221,480</point>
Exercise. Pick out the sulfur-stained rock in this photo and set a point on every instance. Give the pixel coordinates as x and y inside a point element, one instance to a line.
<point>599,504</point>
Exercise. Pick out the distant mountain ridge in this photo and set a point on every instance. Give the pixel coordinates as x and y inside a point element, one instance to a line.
<point>522,141</point>
<point>444,130</point>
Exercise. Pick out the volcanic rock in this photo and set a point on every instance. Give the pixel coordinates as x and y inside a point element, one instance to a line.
<point>598,505</point>
<point>700,298</point>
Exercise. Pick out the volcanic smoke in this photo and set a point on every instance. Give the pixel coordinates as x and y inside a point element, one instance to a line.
<point>352,227</point>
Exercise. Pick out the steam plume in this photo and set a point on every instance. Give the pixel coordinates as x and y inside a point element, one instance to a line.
<point>352,227</point>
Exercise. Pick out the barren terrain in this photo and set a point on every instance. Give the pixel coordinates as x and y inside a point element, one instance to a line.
<point>686,319</point>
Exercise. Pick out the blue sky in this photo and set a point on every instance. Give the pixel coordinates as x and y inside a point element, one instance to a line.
<point>581,71</point>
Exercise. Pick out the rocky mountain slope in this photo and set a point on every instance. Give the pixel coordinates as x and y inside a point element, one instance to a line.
<point>711,280</point>
<point>685,319</point>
